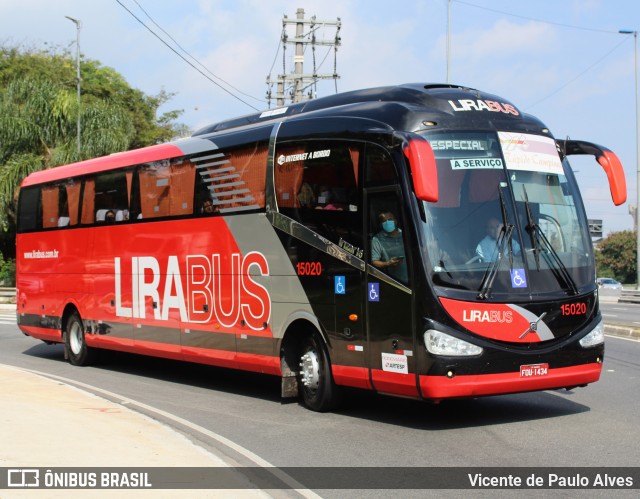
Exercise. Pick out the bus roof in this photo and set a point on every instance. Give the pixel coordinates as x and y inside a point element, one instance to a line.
<point>444,101</point>
<point>405,107</point>
<point>146,154</point>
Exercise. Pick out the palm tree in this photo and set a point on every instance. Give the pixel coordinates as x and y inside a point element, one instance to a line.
<point>38,130</point>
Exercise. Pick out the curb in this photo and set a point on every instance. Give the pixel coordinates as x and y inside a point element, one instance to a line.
<point>622,331</point>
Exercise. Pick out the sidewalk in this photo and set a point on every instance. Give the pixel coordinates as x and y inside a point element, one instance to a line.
<point>44,423</point>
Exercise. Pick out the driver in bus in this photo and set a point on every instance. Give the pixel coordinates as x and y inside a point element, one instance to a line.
<point>487,249</point>
<point>387,248</point>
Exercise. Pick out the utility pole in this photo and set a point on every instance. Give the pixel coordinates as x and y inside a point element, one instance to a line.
<point>635,77</point>
<point>448,38</point>
<point>78,25</point>
<point>298,85</point>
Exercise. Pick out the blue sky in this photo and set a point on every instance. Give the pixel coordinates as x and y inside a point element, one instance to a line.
<point>561,60</point>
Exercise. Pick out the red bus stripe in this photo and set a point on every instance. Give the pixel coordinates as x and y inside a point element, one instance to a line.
<point>395,383</point>
<point>42,333</point>
<point>357,377</point>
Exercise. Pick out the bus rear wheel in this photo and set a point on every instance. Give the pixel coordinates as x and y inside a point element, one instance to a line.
<point>317,388</point>
<point>75,344</point>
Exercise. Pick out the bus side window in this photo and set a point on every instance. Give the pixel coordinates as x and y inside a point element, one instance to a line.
<point>71,203</point>
<point>60,204</point>
<point>316,184</point>
<point>317,175</point>
<point>88,201</point>
<point>379,168</point>
<point>231,180</point>
<point>50,206</point>
<point>387,251</point>
<point>29,211</point>
<point>110,196</point>
<point>182,184</point>
<point>155,189</point>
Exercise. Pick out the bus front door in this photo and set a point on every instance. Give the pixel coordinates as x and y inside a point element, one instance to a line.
<point>388,299</point>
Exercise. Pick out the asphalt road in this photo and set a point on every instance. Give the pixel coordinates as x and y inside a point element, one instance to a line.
<point>593,426</point>
<point>620,313</point>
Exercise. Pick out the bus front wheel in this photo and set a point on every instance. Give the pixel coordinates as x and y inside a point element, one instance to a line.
<point>317,387</point>
<point>78,352</point>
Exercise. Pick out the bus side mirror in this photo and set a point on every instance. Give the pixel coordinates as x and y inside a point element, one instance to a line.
<point>615,173</point>
<point>422,162</point>
<point>607,159</point>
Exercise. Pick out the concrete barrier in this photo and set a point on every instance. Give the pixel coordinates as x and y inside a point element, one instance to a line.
<point>7,295</point>
<point>629,296</point>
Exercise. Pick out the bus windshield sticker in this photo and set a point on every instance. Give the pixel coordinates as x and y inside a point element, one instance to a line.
<point>340,285</point>
<point>460,145</point>
<point>476,163</point>
<point>530,153</point>
<point>518,278</point>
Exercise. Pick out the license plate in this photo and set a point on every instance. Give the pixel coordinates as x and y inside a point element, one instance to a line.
<point>534,370</point>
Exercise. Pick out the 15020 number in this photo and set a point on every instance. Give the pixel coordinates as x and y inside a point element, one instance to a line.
<point>309,268</point>
<point>574,308</point>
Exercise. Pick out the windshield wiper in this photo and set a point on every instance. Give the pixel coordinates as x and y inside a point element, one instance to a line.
<point>560,267</point>
<point>532,229</point>
<point>539,239</point>
<point>503,240</point>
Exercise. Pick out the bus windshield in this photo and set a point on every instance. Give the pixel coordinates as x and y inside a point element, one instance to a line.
<point>509,219</point>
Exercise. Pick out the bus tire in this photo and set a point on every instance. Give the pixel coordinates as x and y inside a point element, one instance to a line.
<point>317,388</point>
<point>75,344</point>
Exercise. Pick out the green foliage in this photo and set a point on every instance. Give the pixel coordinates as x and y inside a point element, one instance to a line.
<point>7,272</point>
<point>617,256</point>
<point>39,114</point>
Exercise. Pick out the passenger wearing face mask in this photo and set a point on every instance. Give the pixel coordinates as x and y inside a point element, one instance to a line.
<point>387,248</point>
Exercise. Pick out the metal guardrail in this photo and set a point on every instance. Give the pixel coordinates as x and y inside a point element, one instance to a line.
<point>629,296</point>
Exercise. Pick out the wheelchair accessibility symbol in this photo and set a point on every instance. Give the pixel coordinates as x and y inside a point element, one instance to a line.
<point>518,278</point>
<point>339,285</point>
<point>374,291</point>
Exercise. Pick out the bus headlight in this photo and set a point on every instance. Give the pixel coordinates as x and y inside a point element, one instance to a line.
<point>595,337</point>
<point>439,343</point>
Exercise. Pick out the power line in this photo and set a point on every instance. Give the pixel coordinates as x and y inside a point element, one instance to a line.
<point>275,57</point>
<point>183,58</point>
<point>577,76</point>
<point>553,23</point>
<point>192,57</point>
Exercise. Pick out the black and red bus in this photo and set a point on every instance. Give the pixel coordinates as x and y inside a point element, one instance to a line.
<point>425,241</point>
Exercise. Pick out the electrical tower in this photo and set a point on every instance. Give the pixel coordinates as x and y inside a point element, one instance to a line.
<point>297,85</point>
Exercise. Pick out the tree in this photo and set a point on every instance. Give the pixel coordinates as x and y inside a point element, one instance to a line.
<point>99,83</point>
<point>616,256</point>
<point>38,119</point>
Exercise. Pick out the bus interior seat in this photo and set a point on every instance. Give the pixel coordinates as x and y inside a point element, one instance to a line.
<point>122,215</point>
<point>101,215</point>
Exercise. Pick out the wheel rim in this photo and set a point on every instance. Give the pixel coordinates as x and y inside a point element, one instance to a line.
<point>310,370</point>
<point>75,338</point>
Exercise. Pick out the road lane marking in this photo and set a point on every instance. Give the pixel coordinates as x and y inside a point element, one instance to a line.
<point>612,336</point>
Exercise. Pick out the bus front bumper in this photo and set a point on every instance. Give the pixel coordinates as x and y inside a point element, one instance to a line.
<point>477,385</point>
